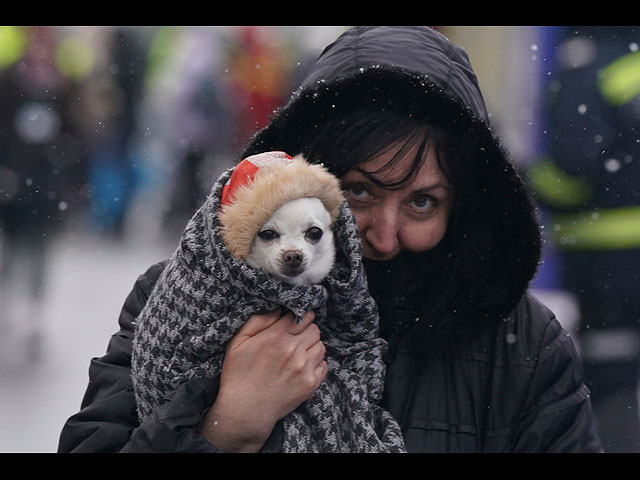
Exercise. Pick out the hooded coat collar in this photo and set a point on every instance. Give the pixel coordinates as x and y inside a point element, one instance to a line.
<point>417,70</point>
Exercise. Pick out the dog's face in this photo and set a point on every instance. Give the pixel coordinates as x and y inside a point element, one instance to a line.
<point>296,243</point>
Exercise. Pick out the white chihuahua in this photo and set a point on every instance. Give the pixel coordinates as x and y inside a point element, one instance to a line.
<point>296,244</point>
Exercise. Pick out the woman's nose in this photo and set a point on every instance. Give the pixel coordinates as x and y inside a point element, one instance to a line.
<point>382,232</point>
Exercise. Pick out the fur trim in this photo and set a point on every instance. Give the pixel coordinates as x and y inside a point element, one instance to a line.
<point>503,255</point>
<point>272,186</point>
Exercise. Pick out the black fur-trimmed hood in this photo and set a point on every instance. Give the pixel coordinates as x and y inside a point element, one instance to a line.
<point>433,79</point>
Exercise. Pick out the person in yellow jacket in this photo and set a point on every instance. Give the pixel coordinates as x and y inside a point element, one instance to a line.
<point>590,185</point>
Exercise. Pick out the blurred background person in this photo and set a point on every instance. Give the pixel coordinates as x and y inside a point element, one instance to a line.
<point>205,91</point>
<point>38,166</point>
<point>186,118</point>
<point>105,121</point>
<point>589,185</point>
<point>260,78</point>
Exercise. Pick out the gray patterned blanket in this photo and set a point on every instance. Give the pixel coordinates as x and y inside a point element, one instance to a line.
<point>205,295</point>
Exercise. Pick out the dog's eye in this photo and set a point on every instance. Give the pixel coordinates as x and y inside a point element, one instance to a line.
<point>268,235</point>
<point>314,234</point>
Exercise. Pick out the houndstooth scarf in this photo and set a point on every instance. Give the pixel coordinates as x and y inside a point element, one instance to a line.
<point>203,297</point>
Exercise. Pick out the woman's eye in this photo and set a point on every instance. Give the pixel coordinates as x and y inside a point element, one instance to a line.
<point>314,234</point>
<point>268,235</point>
<point>424,204</point>
<point>357,191</point>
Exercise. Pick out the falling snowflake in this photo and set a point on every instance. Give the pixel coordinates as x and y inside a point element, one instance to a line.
<point>612,165</point>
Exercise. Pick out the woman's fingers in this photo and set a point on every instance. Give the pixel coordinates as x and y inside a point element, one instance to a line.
<point>258,322</point>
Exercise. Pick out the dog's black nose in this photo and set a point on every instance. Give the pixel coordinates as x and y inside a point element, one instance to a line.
<point>292,258</point>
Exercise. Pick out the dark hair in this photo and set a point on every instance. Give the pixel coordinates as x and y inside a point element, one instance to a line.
<point>344,142</point>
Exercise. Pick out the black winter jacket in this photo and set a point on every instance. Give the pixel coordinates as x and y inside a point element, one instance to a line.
<point>514,385</point>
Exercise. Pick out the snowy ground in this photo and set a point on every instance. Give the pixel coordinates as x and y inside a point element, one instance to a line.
<point>87,282</point>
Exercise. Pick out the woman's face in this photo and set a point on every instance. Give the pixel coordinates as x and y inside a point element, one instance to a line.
<point>413,218</point>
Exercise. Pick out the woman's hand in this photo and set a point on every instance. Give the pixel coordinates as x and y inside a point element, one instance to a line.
<point>271,366</point>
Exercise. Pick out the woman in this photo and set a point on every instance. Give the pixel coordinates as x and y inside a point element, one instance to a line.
<point>450,240</point>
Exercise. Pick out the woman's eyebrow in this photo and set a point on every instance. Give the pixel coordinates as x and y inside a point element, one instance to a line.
<point>366,179</point>
<point>429,188</point>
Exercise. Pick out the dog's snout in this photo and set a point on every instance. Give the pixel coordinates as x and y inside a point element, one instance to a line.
<point>292,258</point>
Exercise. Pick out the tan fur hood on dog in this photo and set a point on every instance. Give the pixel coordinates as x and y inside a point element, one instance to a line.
<point>271,180</point>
